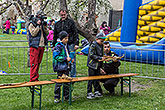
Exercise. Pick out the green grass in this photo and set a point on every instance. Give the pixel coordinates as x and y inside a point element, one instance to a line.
<point>20,98</point>
<point>151,97</point>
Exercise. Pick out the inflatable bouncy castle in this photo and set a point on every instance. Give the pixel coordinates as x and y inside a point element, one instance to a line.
<point>151,23</point>
<point>141,24</point>
<point>20,27</point>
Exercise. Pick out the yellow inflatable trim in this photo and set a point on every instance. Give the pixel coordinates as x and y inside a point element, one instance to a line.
<point>150,7</point>
<point>158,2</point>
<point>150,29</point>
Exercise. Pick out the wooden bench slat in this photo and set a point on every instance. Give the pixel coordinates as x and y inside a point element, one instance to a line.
<point>77,79</point>
<point>93,78</point>
<point>28,84</point>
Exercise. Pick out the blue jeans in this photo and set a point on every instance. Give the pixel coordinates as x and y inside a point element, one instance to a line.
<point>73,65</point>
<point>7,31</point>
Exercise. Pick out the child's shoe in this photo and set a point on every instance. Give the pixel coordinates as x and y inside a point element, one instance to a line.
<point>90,95</point>
<point>98,94</point>
<point>56,100</point>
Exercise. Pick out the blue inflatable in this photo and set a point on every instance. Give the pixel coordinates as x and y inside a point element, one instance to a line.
<point>153,54</point>
<point>140,54</point>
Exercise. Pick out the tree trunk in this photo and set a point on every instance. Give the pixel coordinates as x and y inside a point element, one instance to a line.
<point>63,5</point>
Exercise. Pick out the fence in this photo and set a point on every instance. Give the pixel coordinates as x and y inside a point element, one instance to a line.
<point>13,60</point>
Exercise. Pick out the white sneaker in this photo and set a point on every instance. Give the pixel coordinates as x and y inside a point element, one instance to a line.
<point>98,94</point>
<point>90,95</point>
<point>56,100</point>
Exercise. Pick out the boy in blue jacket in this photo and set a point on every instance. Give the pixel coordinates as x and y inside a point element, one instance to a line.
<point>61,55</point>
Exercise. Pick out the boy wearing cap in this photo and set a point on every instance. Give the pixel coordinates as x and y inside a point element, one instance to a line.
<point>94,66</point>
<point>61,54</point>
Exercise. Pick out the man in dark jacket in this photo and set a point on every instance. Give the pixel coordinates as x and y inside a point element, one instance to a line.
<point>37,41</point>
<point>110,67</point>
<point>68,25</point>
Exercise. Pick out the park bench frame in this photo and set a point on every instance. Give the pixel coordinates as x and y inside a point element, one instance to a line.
<point>78,79</point>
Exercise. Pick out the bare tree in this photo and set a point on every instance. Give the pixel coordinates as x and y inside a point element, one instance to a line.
<point>75,8</point>
<point>23,7</point>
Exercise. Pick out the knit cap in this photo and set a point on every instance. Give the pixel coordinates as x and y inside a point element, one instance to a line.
<point>62,35</point>
<point>100,36</point>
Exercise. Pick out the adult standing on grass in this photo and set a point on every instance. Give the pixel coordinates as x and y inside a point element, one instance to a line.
<point>37,41</point>
<point>68,25</point>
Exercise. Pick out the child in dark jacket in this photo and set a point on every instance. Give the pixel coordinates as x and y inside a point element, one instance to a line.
<point>95,66</point>
<point>61,54</point>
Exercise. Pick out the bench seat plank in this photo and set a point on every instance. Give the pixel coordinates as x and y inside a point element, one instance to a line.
<point>77,79</point>
<point>27,84</point>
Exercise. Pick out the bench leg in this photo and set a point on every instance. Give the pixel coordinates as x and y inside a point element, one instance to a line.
<point>40,94</point>
<point>62,92</point>
<point>129,86</point>
<point>32,91</point>
<point>121,86</point>
<point>70,93</point>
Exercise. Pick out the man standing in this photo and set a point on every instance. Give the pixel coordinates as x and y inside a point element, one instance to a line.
<point>68,25</point>
<point>37,41</point>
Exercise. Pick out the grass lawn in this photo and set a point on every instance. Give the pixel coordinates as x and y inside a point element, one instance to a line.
<point>148,94</point>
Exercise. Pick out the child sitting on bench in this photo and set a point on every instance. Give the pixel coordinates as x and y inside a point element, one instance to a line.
<point>61,54</point>
<point>94,66</point>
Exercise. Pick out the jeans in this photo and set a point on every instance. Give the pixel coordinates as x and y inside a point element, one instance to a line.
<point>7,31</point>
<point>73,65</point>
<point>57,90</point>
<point>95,83</point>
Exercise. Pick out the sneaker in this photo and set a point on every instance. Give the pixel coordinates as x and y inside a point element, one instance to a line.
<point>98,94</point>
<point>56,100</point>
<point>90,95</point>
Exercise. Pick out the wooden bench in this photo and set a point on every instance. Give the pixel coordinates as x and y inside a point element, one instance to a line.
<point>32,87</point>
<point>78,79</point>
<point>37,90</point>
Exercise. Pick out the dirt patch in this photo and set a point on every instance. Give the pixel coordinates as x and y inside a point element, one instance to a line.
<point>135,86</point>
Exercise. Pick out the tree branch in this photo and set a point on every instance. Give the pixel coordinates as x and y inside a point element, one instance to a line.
<point>3,9</point>
<point>44,6</point>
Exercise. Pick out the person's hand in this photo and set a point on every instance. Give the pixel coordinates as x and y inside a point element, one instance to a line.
<point>102,71</point>
<point>53,48</point>
<point>68,59</point>
<point>72,60</point>
<point>103,58</point>
<point>76,47</point>
<point>39,22</point>
<point>115,59</point>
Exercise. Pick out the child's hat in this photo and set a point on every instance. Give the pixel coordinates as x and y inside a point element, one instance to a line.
<point>100,36</point>
<point>63,34</point>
